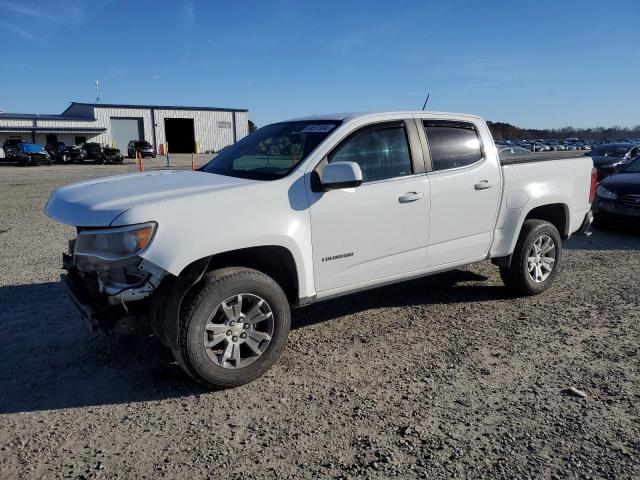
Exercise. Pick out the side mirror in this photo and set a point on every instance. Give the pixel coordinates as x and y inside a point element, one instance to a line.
<point>341,175</point>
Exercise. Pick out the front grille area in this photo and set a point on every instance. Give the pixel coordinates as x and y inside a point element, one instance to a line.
<point>631,200</point>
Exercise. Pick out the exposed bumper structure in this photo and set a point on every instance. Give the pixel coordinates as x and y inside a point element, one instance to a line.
<point>586,223</point>
<point>108,298</point>
<point>87,313</point>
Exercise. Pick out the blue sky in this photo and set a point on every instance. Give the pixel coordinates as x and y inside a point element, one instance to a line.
<point>533,64</point>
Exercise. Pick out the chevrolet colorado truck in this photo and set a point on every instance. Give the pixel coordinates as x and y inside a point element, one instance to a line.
<point>303,211</point>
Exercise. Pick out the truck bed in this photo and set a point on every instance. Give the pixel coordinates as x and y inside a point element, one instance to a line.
<point>541,157</point>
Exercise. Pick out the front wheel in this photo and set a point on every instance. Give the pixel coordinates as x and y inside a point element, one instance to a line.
<point>536,258</point>
<point>233,327</point>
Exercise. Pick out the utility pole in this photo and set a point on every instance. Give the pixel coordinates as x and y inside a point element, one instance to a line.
<point>97,91</point>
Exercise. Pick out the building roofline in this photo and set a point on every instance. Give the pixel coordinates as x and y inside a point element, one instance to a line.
<point>155,107</point>
<point>27,128</point>
<point>38,116</point>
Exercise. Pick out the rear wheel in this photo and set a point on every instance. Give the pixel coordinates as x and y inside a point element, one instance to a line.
<point>536,259</point>
<point>233,327</point>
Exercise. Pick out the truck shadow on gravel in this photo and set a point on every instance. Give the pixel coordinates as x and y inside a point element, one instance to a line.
<point>50,361</point>
<point>617,237</point>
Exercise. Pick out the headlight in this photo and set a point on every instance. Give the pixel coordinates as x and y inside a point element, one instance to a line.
<point>113,244</point>
<point>604,193</point>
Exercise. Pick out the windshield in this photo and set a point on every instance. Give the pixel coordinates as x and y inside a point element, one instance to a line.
<point>633,167</point>
<point>609,151</point>
<point>271,152</point>
<point>143,144</point>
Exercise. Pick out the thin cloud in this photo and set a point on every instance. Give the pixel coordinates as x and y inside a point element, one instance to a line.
<point>22,9</point>
<point>187,18</point>
<point>70,11</point>
<point>11,28</point>
<point>187,15</point>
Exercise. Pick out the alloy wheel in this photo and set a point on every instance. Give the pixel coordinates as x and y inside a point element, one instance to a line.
<point>238,331</point>
<point>541,258</point>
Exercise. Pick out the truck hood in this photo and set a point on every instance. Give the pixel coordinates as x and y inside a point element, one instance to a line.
<point>97,203</point>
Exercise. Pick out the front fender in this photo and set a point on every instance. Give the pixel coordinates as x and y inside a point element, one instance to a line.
<point>198,226</point>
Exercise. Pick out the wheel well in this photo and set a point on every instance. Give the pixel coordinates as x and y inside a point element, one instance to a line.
<point>555,213</point>
<point>272,260</point>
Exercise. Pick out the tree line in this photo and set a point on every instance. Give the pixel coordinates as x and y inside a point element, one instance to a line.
<point>502,131</point>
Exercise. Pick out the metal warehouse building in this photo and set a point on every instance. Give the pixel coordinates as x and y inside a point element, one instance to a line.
<point>181,129</point>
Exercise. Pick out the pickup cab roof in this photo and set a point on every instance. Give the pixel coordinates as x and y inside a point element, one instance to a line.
<point>400,113</point>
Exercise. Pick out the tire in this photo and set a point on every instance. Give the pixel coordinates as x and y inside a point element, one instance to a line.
<point>517,276</point>
<point>208,366</point>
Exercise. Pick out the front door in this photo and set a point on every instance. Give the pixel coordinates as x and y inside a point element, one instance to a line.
<point>465,193</point>
<point>378,229</point>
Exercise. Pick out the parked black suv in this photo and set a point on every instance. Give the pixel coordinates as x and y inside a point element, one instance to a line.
<point>141,146</point>
<point>63,153</point>
<point>101,153</point>
<point>10,146</point>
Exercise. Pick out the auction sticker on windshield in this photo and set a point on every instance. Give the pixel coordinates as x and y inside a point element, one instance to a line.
<point>320,128</point>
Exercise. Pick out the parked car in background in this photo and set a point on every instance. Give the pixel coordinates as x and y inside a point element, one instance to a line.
<point>10,146</point>
<point>216,258</point>
<point>91,151</point>
<point>69,153</point>
<point>611,157</point>
<point>31,154</point>
<point>142,147</point>
<point>618,196</point>
<point>62,153</point>
<point>100,153</point>
<point>512,151</point>
<point>53,149</point>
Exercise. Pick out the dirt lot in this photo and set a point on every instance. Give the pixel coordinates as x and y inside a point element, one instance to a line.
<point>441,377</point>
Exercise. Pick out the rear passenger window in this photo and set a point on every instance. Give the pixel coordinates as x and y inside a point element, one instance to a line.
<point>452,144</point>
<point>381,150</point>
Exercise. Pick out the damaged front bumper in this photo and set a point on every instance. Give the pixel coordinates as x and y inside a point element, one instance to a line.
<point>112,295</point>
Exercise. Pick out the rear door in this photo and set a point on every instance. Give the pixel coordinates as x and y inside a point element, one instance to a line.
<point>466,183</point>
<point>378,229</point>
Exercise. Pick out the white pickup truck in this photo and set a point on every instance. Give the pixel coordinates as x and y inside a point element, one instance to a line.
<point>306,210</point>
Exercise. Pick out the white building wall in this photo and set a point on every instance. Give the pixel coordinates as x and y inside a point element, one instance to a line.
<point>242,125</point>
<point>8,122</point>
<point>66,138</point>
<point>103,120</point>
<point>213,129</point>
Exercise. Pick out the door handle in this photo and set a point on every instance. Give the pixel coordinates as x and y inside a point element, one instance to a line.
<point>410,197</point>
<point>483,185</point>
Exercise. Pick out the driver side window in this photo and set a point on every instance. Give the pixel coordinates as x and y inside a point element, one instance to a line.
<point>381,150</point>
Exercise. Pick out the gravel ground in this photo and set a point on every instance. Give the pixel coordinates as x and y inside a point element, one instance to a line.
<point>442,377</point>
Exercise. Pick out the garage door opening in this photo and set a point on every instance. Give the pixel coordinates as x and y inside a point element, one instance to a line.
<point>123,130</point>
<point>180,135</point>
